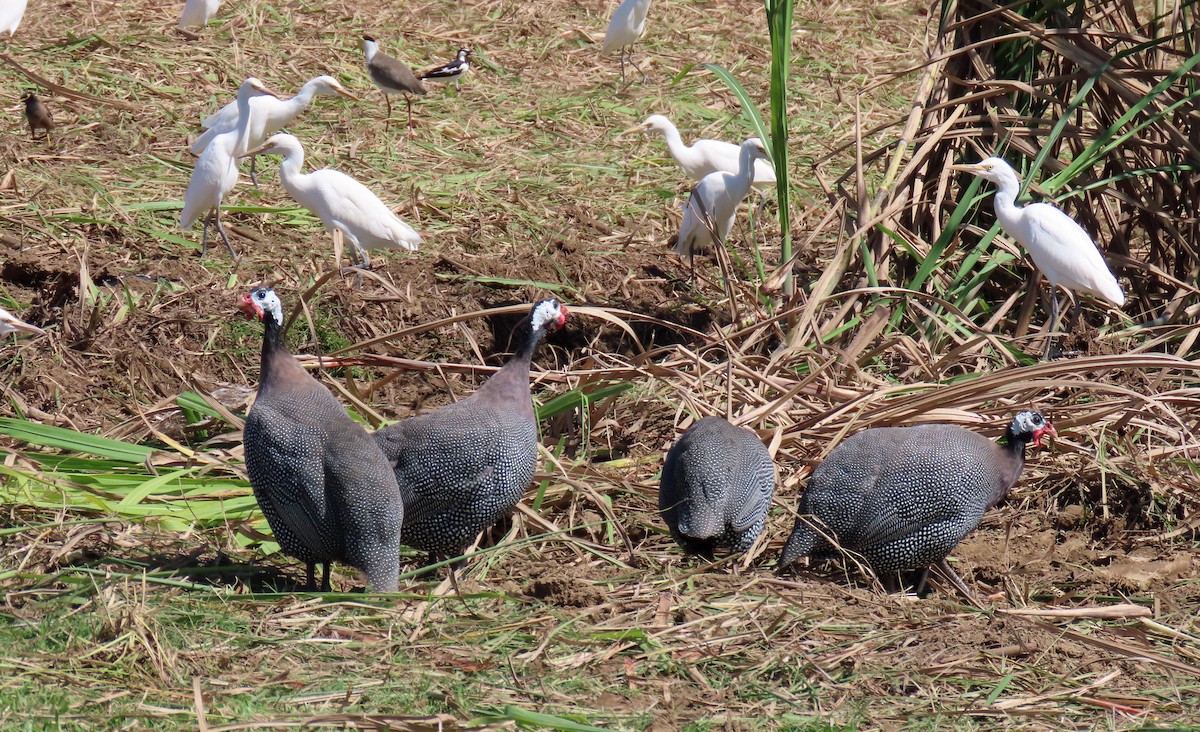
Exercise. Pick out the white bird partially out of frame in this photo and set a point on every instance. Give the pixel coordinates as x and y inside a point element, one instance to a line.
<point>1058,245</point>
<point>11,12</point>
<point>10,323</point>
<point>626,26</point>
<point>703,156</point>
<point>197,13</point>
<point>342,203</point>
<point>216,172</point>
<point>268,115</point>
<point>713,203</point>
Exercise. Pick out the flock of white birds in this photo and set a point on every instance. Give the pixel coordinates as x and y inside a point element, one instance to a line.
<point>724,172</point>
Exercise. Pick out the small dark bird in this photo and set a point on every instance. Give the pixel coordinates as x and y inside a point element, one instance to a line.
<point>717,485</point>
<point>326,489</point>
<point>452,71</point>
<point>463,467</point>
<point>38,116</point>
<point>904,497</point>
<point>392,77</point>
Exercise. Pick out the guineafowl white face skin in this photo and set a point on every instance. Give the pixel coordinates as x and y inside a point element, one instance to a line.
<point>548,314</point>
<point>261,303</point>
<point>1034,424</point>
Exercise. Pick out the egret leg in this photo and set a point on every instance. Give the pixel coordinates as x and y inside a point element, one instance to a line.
<point>204,235</point>
<point>645,79</point>
<point>1051,325</point>
<point>253,173</point>
<point>221,231</point>
<point>623,50</point>
<point>325,586</point>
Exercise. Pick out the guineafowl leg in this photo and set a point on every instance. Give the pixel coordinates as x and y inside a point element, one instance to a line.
<point>951,575</point>
<point>327,567</point>
<point>310,582</point>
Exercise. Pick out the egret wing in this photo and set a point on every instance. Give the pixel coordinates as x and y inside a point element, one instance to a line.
<point>1063,250</point>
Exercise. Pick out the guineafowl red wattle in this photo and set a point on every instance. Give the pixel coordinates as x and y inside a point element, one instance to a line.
<point>716,489</point>
<point>464,466</point>
<point>324,485</point>
<point>904,497</point>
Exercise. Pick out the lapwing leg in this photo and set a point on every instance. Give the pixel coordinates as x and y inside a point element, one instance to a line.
<point>408,103</point>
<point>221,231</point>
<point>387,120</point>
<point>325,586</point>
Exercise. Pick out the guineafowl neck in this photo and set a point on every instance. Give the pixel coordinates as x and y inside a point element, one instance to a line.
<point>1012,451</point>
<point>272,349</point>
<point>525,351</point>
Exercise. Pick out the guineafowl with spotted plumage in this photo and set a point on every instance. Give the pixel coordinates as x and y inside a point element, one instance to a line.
<point>463,467</point>
<point>324,485</point>
<point>904,497</point>
<point>717,484</point>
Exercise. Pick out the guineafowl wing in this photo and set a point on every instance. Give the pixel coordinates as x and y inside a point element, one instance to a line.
<point>752,497</point>
<point>288,472</point>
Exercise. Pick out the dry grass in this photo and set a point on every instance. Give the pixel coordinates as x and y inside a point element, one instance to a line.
<point>582,608</point>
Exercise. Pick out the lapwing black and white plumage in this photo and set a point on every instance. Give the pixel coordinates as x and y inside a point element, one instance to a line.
<point>452,71</point>
<point>392,77</point>
<point>37,115</point>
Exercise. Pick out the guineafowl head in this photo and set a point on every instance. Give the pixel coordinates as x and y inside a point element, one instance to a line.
<point>260,303</point>
<point>548,315</point>
<point>1030,427</point>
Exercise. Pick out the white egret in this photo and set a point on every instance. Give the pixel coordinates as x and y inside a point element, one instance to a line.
<point>452,71</point>
<point>11,12</point>
<point>392,77</point>
<point>714,201</point>
<point>268,115</point>
<point>703,156</point>
<point>10,323</point>
<point>216,171</point>
<point>626,26</point>
<point>196,13</point>
<point>1058,245</point>
<point>342,203</point>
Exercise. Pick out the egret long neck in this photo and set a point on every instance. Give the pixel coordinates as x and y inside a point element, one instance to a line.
<point>1005,202</point>
<point>290,169</point>
<point>745,175</point>
<point>681,152</point>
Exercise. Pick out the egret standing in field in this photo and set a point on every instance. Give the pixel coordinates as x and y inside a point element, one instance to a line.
<point>11,13</point>
<point>713,202</point>
<point>10,323</point>
<point>342,203</point>
<point>196,13</point>
<point>1058,245</point>
<point>626,26</point>
<point>392,77</point>
<point>268,115</point>
<point>216,171</point>
<point>703,156</point>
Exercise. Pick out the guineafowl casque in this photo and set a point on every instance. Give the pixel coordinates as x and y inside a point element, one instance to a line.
<point>464,466</point>
<point>325,487</point>
<point>904,497</point>
<point>717,485</point>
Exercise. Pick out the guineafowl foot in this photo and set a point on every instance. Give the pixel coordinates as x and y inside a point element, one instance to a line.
<point>325,586</point>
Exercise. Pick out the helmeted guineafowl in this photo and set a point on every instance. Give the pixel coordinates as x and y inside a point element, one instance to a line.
<point>464,466</point>
<point>717,485</point>
<point>325,487</point>
<point>903,497</point>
